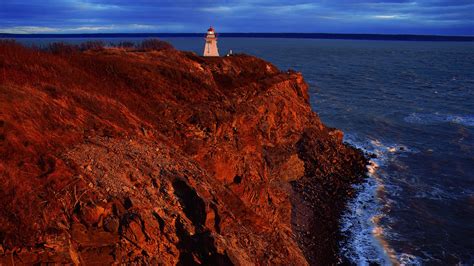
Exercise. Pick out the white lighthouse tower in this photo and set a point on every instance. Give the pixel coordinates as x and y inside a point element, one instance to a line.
<point>210,48</point>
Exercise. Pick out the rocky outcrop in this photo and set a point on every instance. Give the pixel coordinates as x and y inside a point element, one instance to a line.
<point>165,157</point>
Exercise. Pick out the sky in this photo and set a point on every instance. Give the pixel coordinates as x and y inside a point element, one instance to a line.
<point>443,17</point>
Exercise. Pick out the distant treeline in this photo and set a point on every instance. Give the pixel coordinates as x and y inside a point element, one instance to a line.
<point>387,37</point>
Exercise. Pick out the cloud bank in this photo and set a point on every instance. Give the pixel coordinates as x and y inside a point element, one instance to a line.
<point>448,17</point>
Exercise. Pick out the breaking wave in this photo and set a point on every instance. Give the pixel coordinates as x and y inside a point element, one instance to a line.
<point>365,237</point>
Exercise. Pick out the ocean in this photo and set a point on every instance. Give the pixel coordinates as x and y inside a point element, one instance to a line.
<point>411,104</point>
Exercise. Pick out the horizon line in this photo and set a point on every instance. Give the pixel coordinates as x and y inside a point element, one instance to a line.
<point>229,32</point>
<point>309,35</point>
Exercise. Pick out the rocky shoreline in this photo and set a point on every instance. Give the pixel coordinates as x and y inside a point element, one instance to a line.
<point>164,157</point>
<point>320,196</point>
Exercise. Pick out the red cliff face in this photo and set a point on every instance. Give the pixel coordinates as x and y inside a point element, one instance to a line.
<point>165,157</point>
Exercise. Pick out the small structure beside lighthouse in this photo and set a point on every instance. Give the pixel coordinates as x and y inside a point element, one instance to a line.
<point>210,48</point>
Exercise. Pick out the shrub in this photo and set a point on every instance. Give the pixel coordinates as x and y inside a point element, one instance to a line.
<point>92,45</point>
<point>155,45</point>
<point>6,42</point>
<point>125,45</point>
<point>61,48</point>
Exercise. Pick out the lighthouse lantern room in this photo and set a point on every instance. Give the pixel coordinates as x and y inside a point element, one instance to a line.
<point>210,48</point>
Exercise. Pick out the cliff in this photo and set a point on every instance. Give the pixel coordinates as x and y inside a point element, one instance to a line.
<point>165,157</point>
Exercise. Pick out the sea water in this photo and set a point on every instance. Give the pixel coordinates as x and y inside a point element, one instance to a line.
<point>412,105</point>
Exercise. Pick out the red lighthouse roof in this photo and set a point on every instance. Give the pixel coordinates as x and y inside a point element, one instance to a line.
<point>210,28</point>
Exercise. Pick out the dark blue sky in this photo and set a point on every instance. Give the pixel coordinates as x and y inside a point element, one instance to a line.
<point>447,17</point>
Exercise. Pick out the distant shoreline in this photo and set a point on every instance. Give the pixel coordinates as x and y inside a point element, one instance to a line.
<point>379,37</point>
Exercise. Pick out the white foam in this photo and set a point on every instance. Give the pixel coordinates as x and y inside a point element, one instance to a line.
<point>358,225</point>
<point>392,149</point>
<point>361,222</point>
<point>409,260</point>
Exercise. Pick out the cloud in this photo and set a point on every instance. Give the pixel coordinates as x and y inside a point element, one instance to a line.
<point>87,6</point>
<point>360,16</point>
<point>295,8</point>
<point>217,9</point>
<point>88,29</point>
<point>387,17</point>
<point>27,29</point>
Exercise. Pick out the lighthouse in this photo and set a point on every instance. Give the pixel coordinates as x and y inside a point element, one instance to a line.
<point>210,48</point>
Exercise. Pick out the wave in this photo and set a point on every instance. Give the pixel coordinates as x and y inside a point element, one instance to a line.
<point>365,237</point>
<point>440,194</point>
<point>436,118</point>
